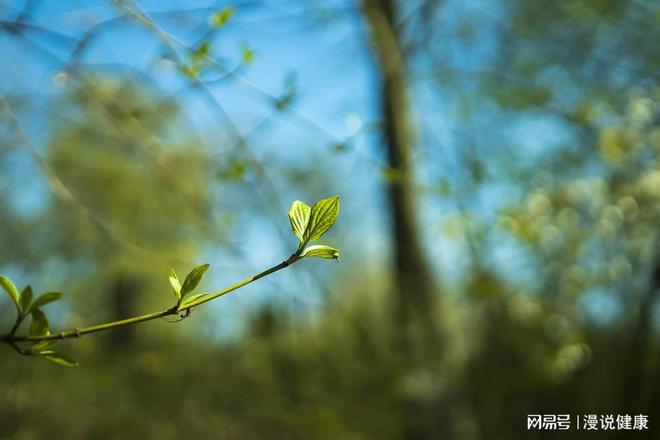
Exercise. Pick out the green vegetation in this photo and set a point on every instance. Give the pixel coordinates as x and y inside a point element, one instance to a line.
<point>307,224</point>
<point>499,170</point>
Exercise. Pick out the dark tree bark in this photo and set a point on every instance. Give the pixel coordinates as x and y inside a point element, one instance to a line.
<point>416,336</point>
<point>123,293</point>
<point>414,284</point>
<point>639,386</point>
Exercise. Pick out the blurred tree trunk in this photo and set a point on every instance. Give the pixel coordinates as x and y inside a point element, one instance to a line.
<point>415,308</point>
<point>640,384</point>
<point>414,285</point>
<point>123,294</point>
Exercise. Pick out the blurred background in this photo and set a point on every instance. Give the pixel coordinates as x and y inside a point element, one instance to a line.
<point>499,169</point>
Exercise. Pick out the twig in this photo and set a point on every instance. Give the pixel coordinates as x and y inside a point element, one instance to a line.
<point>11,339</point>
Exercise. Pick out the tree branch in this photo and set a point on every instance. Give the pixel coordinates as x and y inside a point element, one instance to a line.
<point>11,339</point>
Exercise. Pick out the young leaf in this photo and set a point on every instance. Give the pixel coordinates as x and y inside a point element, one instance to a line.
<point>12,291</point>
<point>41,346</point>
<point>26,298</point>
<point>44,299</point>
<point>221,17</point>
<point>58,358</point>
<point>323,216</point>
<point>189,299</point>
<point>247,54</point>
<point>203,50</point>
<point>176,285</point>
<point>299,217</point>
<point>190,71</point>
<point>39,325</point>
<point>321,251</point>
<point>193,278</point>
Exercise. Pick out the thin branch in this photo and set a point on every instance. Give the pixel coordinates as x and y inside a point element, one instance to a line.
<point>77,332</point>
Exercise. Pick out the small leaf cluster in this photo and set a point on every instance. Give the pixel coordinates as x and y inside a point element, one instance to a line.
<point>221,17</point>
<point>184,293</point>
<point>310,223</point>
<point>39,325</point>
<point>198,57</point>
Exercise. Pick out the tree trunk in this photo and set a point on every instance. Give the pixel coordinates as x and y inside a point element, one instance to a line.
<point>415,336</point>
<point>640,384</point>
<point>123,294</point>
<point>413,282</point>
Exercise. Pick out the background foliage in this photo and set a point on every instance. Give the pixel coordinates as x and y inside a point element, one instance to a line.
<point>498,163</point>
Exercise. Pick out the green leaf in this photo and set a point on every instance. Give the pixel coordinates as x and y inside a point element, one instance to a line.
<point>44,299</point>
<point>26,298</point>
<point>42,346</point>
<point>203,49</point>
<point>323,216</point>
<point>299,214</point>
<point>221,17</point>
<point>12,291</point>
<point>193,278</point>
<point>39,325</point>
<point>176,285</point>
<point>189,299</point>
<point>58,358</point>
<point>190,71</point>
<point>247,53</point>
<point>321,251</point>
<point>198,57</point>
